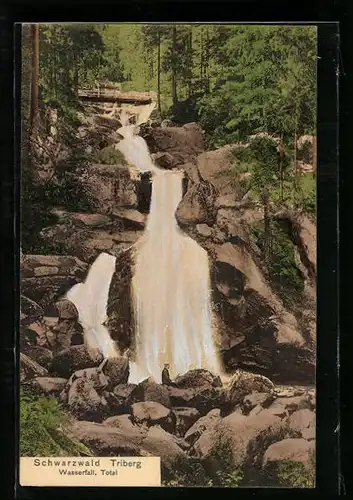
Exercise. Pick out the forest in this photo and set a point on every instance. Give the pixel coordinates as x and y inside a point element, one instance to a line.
<point>234,80</point>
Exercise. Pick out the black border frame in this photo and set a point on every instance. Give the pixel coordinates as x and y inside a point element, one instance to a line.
<point>328,463</point>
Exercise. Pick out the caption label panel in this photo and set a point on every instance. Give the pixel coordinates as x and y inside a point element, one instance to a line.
<point>78,471</point>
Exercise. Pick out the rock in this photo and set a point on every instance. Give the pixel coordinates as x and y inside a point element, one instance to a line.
<point>151,413</point>
<point>39,354</point>
<point>204,230</point>
<point>160,443</point>
<point>202,398</point>
<point>67,323</point>
<point>191,172</point>
<point>45,278</point>
<point>201,425</point>
<point>48,386</point>
<point>94,375</point>
<point>263,333</point>
<point>148,390</point>
<point>244,383</point>
<point>130,219</point>
<point>72,359</point>
<point>30,311</point>
<point>123,393</point>
<point>120,311</point>
<point>211,163</point>
<point>87,242</point>
<point>245,438</point>
<point>293,450</point>
<point>185,418</point>
<point>304,423</point>
<point>184,143</point>
<point>30,369</point>
<point>197,206</point>
<point>84,401</point>
<point>108,186</point>
<point>35,334</point>
<point>165,160</point>
<point>117,370</point>
<point>292,404</point>
<point>262,399</point>
<point>106,440</point>
<point>226,201</point>
<point>197,378</point>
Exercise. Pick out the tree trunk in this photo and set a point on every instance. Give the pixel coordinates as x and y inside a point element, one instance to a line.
<point>281,155</point>
<point>295,165</point>
<point>159,72</point>
<point>201,57</point>
<point>207,61</point>
<point>174,80</point>
<point>35,76</point>
<point>267,223</point>
<point>190,61</point>
<point>314,156</point>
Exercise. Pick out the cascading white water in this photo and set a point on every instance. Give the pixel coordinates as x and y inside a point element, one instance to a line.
<point>90,299</point>
<point>171,292</point>
<point>170,283</point>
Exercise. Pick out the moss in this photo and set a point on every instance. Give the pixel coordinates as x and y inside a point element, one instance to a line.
<point>110,156</point>
<point>296,474</point>
<point>43,428</point>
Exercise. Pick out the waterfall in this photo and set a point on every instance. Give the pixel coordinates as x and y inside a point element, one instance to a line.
<point>90,299</point>
<point>171,284</point>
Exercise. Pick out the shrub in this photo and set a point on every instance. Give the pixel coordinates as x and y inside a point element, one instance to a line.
<point>296,474</point>
<point>110,156</point>
<point>43,428</point>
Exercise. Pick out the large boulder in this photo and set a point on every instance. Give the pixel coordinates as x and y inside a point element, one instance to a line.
<point>244,383</point>
<point>30,369</point>
<point>46,278</point>
<point>185,418</point>
<point>303,422</point>
<point>151,413</point>
<point>41,355</point>
<point>243,438</point>
<point>107,440</point>
<point>211,163</point>
<point>197,378</point>
<point>122,393</point>
<point>288,450</point>
<point>120,311</point>
<point>108,186</point>
<point>30,311</point>
<point>197,206</point>
<point>72,359</point>
<point>88,235</point>
<point>184,143</point>
<point>48,386</point>
<point>148,390</point>
<point>201,425</point>
<point>116,370</point>
<point>160,443</point>
<point>84,402</point>
<point>202,398</point>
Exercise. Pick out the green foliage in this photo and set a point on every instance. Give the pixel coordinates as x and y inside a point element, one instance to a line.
<point>223,472</point>
<point>42,428</point>
<point>186,474</point>
<point>296,474</point>
<point>110,156</point>
<point>282,267</point>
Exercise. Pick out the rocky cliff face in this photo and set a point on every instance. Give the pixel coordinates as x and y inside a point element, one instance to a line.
<point>256,331</point>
